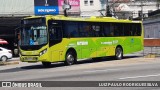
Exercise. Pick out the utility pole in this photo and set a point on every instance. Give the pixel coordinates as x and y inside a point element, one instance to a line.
<point>46,3</point>
<point>141,10</point>
<point>108,13</point>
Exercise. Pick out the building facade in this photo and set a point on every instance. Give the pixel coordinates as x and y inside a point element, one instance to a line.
<point>152,25</point>
<point>37,7</point>
<point>10,8</point>
<point>90,8</point>
<point>132,8</point>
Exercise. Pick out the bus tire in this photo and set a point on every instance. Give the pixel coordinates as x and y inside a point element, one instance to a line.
<point>46,64</point>
<point>70,58</point>
<point>118,53</point>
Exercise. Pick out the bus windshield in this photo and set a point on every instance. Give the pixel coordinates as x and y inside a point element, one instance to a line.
<point>33,35</point>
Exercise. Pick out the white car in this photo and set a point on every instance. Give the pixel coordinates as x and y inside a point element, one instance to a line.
<point>5,54</point>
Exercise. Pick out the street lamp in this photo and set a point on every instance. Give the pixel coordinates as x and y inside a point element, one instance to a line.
<point>46,3</point>
<point>107,7</point>
<point>141,10</point>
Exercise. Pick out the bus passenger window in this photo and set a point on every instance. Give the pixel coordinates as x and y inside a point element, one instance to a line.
<point>84,30</point>
<point>96,30</point>
<point>107,29</point>
<point>112,29</point>
<point>88,31</point>
<point>71,29</point>
<point>73,33</point>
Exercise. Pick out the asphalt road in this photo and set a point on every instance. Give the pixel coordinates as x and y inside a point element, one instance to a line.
<point>128,69</point>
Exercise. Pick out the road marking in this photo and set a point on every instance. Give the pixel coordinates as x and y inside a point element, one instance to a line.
<point>141,76</point>
<point>103,70</point>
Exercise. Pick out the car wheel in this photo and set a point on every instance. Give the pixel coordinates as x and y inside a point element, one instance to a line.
<point>4,58</point>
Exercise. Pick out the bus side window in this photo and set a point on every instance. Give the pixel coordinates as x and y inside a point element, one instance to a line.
<point>111,29</point>
<point>71,29</point>
<point>84,30</point>
<point>88,31</point>
<point>96,30</point>
<point>116,30</point>
<point>127,29</point>
<point>106,29</point>
<point>137,30</point>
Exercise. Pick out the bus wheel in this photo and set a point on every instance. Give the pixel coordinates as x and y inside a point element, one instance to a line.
<point>70,58</point>
<point>118,53</point>
<point>46,64</point>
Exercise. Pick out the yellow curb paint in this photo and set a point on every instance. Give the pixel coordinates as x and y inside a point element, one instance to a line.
<point>8,63</point>
<point>150,56</point>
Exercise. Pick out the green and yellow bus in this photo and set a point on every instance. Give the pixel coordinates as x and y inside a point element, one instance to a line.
<point>58,38</point>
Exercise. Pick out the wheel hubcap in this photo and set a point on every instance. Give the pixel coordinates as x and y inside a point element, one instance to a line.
<point>4,58</point>
<point>119,53</point>
<point>70,59</point>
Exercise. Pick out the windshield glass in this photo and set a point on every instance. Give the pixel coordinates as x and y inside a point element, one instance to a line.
<point>33,35</point>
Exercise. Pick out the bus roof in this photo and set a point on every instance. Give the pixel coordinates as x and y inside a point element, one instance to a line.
<point>90,19</point>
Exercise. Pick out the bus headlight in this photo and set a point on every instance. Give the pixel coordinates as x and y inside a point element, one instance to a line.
<point>43,52</point>
<point>40,53</point>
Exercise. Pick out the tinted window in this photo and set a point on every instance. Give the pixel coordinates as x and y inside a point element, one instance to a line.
<point>136,29</point>
<point>121,29</point>
<point>85,29</point>
<point>118,29</point>
<point>96,30</point>
<point>82,29</point>
<point>106,29</point>
<point>127,29</point>
<point>71,29</point>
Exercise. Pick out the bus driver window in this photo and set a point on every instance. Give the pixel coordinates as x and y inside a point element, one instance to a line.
<point>51,33</point>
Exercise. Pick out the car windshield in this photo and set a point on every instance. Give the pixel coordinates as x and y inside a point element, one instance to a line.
<point>33,35</point>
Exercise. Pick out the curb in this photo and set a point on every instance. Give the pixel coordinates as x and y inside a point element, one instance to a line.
<point>151,56</point>
<point>9,63</point>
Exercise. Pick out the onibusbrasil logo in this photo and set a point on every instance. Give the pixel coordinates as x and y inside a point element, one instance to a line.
<point>21,84</point>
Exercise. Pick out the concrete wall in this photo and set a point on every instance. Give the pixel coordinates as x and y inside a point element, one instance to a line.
<point>152,27</point>
<point>16,7</point>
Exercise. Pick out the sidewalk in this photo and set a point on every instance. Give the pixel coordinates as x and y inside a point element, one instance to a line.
<point>15,63</point>
<point>14,59</point>
<point>10,61</point>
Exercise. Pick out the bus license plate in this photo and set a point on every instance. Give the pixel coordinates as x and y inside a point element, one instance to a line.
<point>29,58</point>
